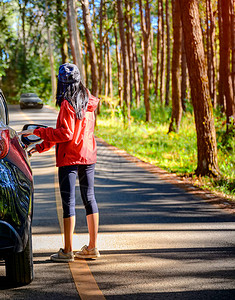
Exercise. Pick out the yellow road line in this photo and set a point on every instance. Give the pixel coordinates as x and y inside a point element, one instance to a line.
<point>85,281</point>
<point>82,276</point>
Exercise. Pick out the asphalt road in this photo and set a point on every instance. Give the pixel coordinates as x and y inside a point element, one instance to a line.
<point>156,241</point>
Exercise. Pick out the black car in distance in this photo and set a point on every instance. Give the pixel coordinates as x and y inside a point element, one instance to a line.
<point>16,202</point>
<point>30,100</point>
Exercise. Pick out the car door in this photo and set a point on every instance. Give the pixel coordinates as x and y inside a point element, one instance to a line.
<point>16,203</point>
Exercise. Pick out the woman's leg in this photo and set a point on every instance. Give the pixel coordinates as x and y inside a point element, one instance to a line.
<point>69,225</point>
<point>93,224</point>
<point>86,175</point>
<point>67,180</point>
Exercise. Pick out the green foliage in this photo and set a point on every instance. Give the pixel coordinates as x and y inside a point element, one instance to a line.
<point>25,67</point>
<point>173,152</point>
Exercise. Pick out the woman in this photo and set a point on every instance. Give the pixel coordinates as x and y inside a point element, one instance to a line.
<point>75,154</point>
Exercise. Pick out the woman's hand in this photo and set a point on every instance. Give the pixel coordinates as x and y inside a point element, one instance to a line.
<point>26,132</point>
<point>32,150</point>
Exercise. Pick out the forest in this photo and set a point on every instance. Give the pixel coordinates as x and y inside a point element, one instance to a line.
<point>164,71</point>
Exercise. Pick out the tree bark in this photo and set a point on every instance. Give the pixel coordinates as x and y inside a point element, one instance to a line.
<point>206,137</point>
<point>110,77</point>
<point>126,70</point>
<point>183,77</point>
<point>213,54</point>
<point>60,30</point>
<point>135,66</point>
<point>151,77</point>
<point>221,99</point>
<point>225,44</point>
<point>158,48</point>
<point>233,44</point>
<point>128,39</point>
<point>208,48</point>
<point>176,58</point>
<point>162,67</point>
<point>145,26</point>
<point>101,48</point>
<point>120,73</point>
<point>106,76</point>
<point>87,66</point>
<point>74,38</point>
<point>91,46</point>
<point>167,100</point>
<point>51,57</point>
<point>22,12</point>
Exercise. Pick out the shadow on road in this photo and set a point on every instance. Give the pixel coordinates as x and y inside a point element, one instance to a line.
<point>195,295</point>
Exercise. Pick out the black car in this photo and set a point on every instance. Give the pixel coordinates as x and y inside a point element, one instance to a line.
<point>29,100</point>
<point>16,203</point>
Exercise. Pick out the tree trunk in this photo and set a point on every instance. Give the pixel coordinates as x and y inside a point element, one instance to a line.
<point>120,73</point>
<point>106,76</point>
<point>75,43</point>
<point>93,19</point>
<point>101,48</point>
<point>151,57</point>
<point>126,70</point>
<point>206,137</point>
<point>128,39</point>
<point>208,48</point>
<point>233,44</point>
<point>167,100</point>
<point>221,99</point>
<point>183,77</point>
<point>22,12</point>
<point>159,30</point>
<point>228,89</point>
<point>150,48</point>
<point>142,54</point>
<point>176,84</point>
<point>162,67</point>
<point>87,66</point>
<point>91,46</point>
<point>213,54</point>
<point>145,26</point>
<point>110,77</point>
<point>135,66</point>
<point>51,57</point>
<point>60,30</point>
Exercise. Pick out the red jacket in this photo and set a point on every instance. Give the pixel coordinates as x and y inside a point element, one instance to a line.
<point>74,138</point>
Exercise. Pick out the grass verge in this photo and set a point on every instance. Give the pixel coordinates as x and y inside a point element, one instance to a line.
<point>176,153</point>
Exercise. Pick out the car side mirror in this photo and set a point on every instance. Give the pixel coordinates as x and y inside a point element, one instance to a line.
<point>31,139</point>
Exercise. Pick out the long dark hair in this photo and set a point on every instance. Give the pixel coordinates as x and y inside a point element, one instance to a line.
<point>76,94</point>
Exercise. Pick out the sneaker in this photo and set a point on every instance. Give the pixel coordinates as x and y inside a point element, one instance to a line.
<point>85,253</point>
<point>60,256</point>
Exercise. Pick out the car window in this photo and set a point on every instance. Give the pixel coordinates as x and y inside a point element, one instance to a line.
<point>3,118</point>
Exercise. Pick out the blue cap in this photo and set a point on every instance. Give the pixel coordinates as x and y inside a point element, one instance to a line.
<point>69,73</point>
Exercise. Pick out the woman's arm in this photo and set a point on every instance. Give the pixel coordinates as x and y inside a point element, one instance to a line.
<point>65,131</point>
<point>44,146</point>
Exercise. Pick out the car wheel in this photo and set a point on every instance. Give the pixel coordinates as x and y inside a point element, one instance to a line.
<point>19,266</point>
<point>22,106</point>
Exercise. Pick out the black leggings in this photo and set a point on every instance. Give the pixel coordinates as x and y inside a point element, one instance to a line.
<point>67,181</point>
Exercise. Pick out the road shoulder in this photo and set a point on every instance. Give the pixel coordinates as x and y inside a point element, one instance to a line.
<point>214,198</point>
